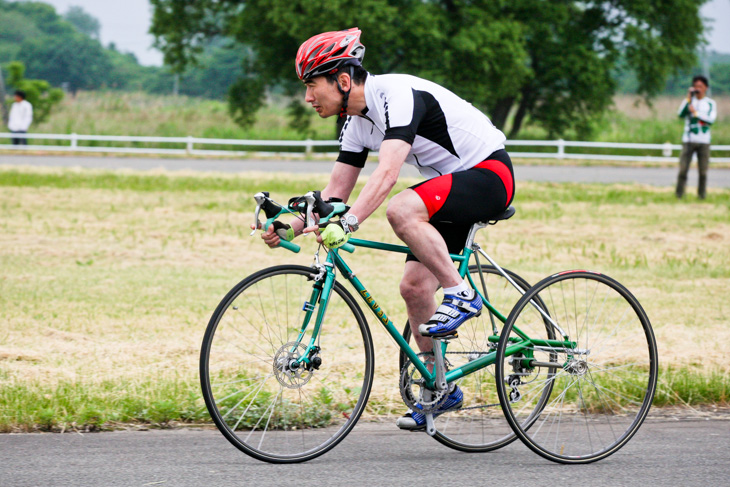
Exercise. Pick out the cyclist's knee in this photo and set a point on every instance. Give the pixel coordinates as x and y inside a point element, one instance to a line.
<point>405,207</point>
<point>394,212</point>
<point>414,289</point>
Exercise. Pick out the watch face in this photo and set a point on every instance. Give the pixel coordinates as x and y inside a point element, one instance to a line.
<point>351,221</point>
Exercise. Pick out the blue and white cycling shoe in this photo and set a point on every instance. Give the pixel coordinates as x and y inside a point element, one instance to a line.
<point>416,420</point>
<point>454,310</point>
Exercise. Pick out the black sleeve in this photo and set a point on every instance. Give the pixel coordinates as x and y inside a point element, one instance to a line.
<point>356,159</point>
<point>408,132</point>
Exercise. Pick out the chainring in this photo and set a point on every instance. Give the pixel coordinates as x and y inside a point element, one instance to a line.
<point>413,390</point>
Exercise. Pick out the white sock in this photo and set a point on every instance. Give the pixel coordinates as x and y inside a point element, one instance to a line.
<point>461,290</point>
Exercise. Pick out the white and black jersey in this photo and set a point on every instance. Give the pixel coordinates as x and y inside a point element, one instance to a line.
<point>447,133</point>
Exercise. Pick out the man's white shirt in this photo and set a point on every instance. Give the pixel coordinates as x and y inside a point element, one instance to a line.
<point>697,129</point>
<point>21,116</point>
<point>447,133</point>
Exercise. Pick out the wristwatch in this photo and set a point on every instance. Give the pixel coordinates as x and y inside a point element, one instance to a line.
<point>349,223</point>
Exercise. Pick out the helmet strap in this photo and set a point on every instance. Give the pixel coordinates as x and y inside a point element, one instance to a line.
<point>345,94</point>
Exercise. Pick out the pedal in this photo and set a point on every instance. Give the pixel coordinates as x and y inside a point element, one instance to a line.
<point>446,336</point>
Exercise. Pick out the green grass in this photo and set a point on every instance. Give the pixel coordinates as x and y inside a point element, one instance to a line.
<point>73,405</point>
<point>107,280</point>
<point>687,387</point>
<point>148,183</point>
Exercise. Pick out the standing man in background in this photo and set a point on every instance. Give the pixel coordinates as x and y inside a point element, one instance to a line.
<point>699,112</point>
<point>21,116</point>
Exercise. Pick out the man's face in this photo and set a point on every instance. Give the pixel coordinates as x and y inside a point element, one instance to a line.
<point>324,97</point>
<point>700,87</point>
<point>18,98</point>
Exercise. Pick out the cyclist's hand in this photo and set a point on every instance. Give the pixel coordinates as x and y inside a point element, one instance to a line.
<point>313,229</point>
<point>275,233</point>
<point>284,231</point>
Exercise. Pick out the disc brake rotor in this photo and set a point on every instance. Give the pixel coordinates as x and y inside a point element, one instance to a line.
<point>288,370</point>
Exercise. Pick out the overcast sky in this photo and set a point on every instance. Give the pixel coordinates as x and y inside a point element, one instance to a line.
<point>126,22</point>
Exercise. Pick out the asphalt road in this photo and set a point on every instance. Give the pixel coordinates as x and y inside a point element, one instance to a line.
<point>659,176</point>
<point>665,452</point>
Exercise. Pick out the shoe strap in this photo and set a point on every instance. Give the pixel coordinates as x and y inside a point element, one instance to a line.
<point>459,303</point>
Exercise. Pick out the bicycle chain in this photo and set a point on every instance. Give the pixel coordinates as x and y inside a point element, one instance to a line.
<point>483,406</point>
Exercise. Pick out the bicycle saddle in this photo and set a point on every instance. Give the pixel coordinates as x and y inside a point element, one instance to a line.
<point>507,214</point>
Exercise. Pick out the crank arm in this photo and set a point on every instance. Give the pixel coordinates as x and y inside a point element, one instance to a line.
<point>430,426</point>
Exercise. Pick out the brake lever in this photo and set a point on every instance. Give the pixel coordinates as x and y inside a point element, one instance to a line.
<point>309,198</point>
<point>260,199</point>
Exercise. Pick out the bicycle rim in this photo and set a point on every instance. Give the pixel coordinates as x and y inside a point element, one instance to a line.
<point>603,383</point>
<point>270,412</point>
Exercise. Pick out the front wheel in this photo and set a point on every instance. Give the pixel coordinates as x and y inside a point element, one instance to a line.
<point>602,372</point>
<point>259,393</point>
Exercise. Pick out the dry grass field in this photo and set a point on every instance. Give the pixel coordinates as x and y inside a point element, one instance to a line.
<point>108,279</point>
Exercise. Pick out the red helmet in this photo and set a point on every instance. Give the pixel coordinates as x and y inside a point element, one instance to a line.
<point>327,52</point>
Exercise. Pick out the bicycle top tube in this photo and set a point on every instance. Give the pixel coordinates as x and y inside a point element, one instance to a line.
<point>372,244</point>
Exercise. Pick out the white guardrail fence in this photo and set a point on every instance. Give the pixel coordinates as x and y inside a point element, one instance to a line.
<point>187,146</point>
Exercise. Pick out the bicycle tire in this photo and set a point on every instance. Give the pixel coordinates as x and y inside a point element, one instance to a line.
<point>479,425</point>
<point>252,335</point>
<point>603,387</point>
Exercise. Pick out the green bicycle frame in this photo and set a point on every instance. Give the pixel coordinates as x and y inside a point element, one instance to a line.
<point>323,287</point>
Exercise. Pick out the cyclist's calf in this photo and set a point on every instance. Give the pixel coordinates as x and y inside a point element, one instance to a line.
<point>417,288</point>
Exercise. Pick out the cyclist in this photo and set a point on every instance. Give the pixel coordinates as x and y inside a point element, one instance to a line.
<point>413,121</point>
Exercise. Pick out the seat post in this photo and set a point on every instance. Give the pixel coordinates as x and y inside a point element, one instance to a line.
<point>472,233</point>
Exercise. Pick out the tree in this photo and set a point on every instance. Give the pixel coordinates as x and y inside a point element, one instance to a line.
<point>549,61</point>
<point>74,59</point>
<point>38,92</point>
<point>720,79</point>
<point>4,113</point>
<point>44,17</point>
<point>84,22</point>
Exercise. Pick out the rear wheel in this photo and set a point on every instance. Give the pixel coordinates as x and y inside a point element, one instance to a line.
<point>479,425</point>
<point>602,384</point>
<point>261,396</point>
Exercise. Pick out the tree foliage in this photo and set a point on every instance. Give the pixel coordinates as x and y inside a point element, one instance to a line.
<point>85,23</point>
<point>65,50</point>
<point>76,59</point>
<point>549,61</point>
<point>38,92</point>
